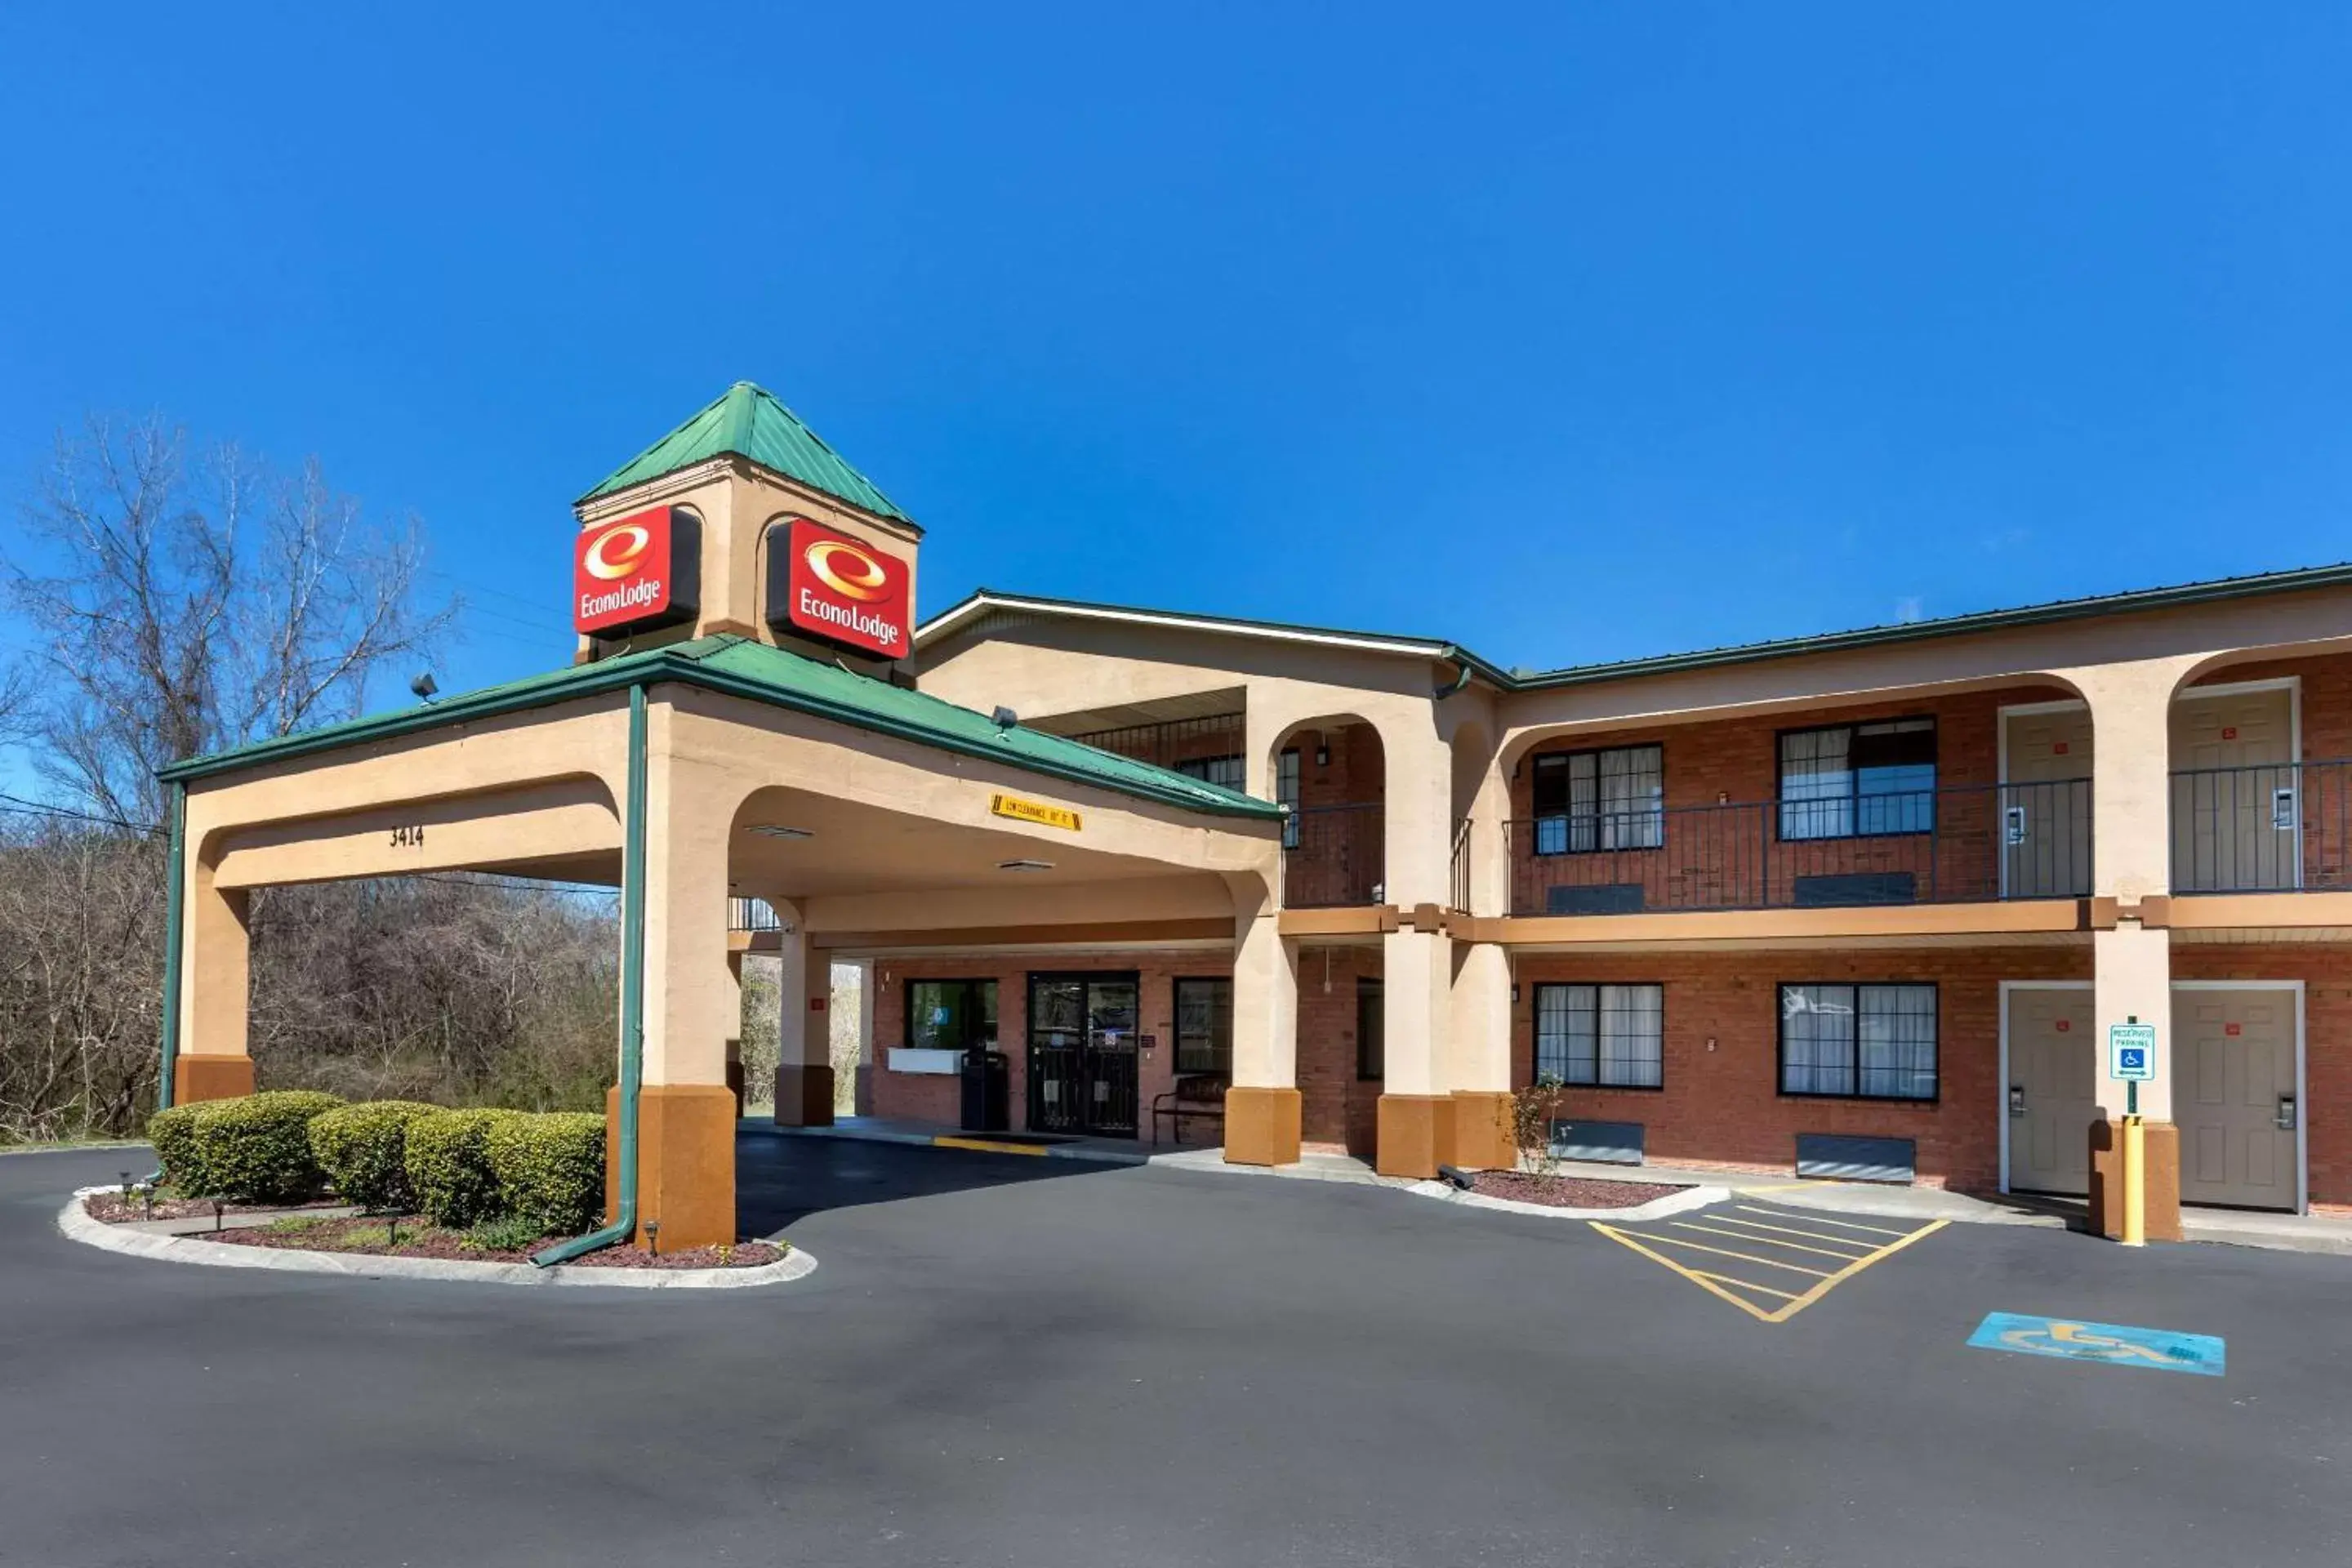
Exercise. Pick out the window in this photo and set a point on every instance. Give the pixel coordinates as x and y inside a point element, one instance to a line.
<point>1612,1036</point>
<point>1223,770</point>
<point>1371,1032</point>
<point>1285,793</point>
<point>1853,780</point>
<point>1600,800</point>
<point>1863,1042</point>
<point>951,1014</point>
<point>1204,1026</point>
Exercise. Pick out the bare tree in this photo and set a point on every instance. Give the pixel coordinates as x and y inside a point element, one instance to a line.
<point>193,601</point>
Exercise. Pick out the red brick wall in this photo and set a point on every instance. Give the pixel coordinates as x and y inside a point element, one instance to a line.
<point>1340,1113</point>
<point>1722,1107</point>
<point>2326,973</point>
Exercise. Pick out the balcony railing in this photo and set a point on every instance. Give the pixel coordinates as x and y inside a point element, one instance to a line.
<point>2274,828</point>
<point>1459,880</point>
<point>1333,855</point>
<point>751,914</point>
<point>1946,845</point>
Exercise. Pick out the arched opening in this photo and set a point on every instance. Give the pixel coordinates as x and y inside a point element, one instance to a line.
<point>1332,772</point>
<point>2254,808</point>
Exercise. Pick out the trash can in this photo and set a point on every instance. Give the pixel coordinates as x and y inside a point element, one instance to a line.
<point>987,1090</point>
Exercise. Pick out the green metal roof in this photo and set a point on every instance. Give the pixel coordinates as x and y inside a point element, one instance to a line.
<point>739,666</point>
<point>748,422</point>
<point>2253,585</point>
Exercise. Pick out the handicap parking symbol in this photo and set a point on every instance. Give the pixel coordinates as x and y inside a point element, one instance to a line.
<point>2113,1344</point>
<point>2131,1060</point>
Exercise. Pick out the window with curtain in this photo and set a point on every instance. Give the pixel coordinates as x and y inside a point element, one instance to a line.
<point>1606,1035</point>
<point>1205,1025</point>
<point>1612,799</point>
<point>1847,780</point>
<point>1861,1042</point>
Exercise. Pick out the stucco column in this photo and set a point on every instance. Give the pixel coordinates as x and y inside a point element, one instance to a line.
<point>862,1092</point>
<point>2131,853</point>
<point>686,1112</point>
<point>1479,1056</point>
<point>213,1061</point>
<point>1416,1104</point>
<point>735,1033</point>
<point>1263,1109</point>
<point>803,1027</point>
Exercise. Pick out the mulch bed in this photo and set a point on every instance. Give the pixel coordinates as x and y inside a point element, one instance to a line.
<point>420,1239</point>
<point>1568,1192</point>
<point>110,1207</point>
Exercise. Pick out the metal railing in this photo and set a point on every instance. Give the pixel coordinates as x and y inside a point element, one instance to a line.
<point>751,914</point>
<point>1171,741</point>
<point>1962,844</point>
<point>1460,882</point>
<point>2273,827</point>
<point>1332,856</point>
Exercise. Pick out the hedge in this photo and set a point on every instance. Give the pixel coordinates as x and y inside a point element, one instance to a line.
<point>174,1133</point>
<point>363,1150</point>
<point>448,1164</point>
<point>550,1169</point>
<point>257,1149</point>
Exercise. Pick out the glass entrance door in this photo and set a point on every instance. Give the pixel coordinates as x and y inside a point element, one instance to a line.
<point>1082,1061</point>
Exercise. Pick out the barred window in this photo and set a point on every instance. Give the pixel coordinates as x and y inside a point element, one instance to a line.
<point>1600,800</point>
<point>1205,1025</point>
<point>1609,1036</point>
<point>1286,794</point>
<point>1866,1042</point>
<point>1223,770</point>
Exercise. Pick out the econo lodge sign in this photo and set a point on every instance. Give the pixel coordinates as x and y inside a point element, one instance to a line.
<point>824,584</point>
<point>640,571</point>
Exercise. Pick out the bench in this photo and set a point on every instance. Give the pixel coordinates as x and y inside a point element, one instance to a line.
<point>1197,1097</point>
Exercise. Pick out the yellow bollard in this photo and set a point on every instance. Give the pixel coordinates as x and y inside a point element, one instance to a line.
<point>2135,1182</point>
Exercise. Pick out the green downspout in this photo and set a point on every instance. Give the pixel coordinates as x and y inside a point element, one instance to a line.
<point>633,1002</point>
<point>175,899</point>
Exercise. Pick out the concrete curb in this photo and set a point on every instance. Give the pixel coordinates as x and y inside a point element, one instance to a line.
<point>78,1226</point>
<point>1657,1208</point>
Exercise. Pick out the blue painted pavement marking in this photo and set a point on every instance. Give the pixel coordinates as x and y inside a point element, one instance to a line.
<point>2152,1350</point>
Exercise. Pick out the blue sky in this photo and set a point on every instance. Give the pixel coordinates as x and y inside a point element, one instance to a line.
<point>1570,332</point>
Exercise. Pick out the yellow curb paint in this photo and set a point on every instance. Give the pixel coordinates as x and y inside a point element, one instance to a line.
<point>1744,1285</point>
<point>1706,1282</point>
<point>987,1146</point>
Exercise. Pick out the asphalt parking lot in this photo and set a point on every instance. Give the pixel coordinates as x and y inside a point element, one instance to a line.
<point>1039,1362</point>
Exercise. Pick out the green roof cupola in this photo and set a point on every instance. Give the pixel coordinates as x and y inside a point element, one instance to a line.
<point>749,422</point>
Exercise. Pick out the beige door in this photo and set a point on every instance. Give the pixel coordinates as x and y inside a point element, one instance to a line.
<point>2052,1089</point>
<point>2234,1073</point>
<point>2045,802</point>
<point>2234,805</point>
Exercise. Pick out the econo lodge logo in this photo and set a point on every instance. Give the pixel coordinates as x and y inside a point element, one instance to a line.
<point>840,589</point>
<point>628,572</point>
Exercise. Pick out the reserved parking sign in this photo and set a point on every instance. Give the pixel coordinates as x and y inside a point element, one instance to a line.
<point>2131,1052</point>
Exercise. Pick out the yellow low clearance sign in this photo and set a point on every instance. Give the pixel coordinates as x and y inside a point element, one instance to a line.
<point>1035,811</point>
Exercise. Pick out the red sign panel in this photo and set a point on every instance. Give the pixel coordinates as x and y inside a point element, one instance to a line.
<point>628,572</point>
<point>2233,1030</point>
<point>840,589</point>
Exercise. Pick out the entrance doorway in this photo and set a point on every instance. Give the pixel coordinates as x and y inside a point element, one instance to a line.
<point>1083,1062</point>
<point>2236,807</point>
<point>2053,1089</point>
<point>2045,800</point>
<point>2237,1097</point>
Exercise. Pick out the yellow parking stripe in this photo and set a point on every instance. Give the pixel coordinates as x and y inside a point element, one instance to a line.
<point>1726,1286</point>
<point>1792,1230</point>
<point>1761,1240</point>
<point>986,1145</point>
<point>1744,1285</point>
<point>1726,1252</point>
<point>1824,1219</point>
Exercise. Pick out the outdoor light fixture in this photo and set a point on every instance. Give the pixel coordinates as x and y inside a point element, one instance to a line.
<point>1322,753</point>
<point>653,1237</point>
<point>1005,717</point>
<point>424,686</point>
<point>1024,864</point>
<point>771,830</point>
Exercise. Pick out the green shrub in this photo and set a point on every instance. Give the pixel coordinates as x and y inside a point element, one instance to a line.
<point>508,1233</point>
<point>551,1168</point>
<point>448,1166</point>
<point>363,1150</point>
<point>257,1149</point>
<point>174,1133</point>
